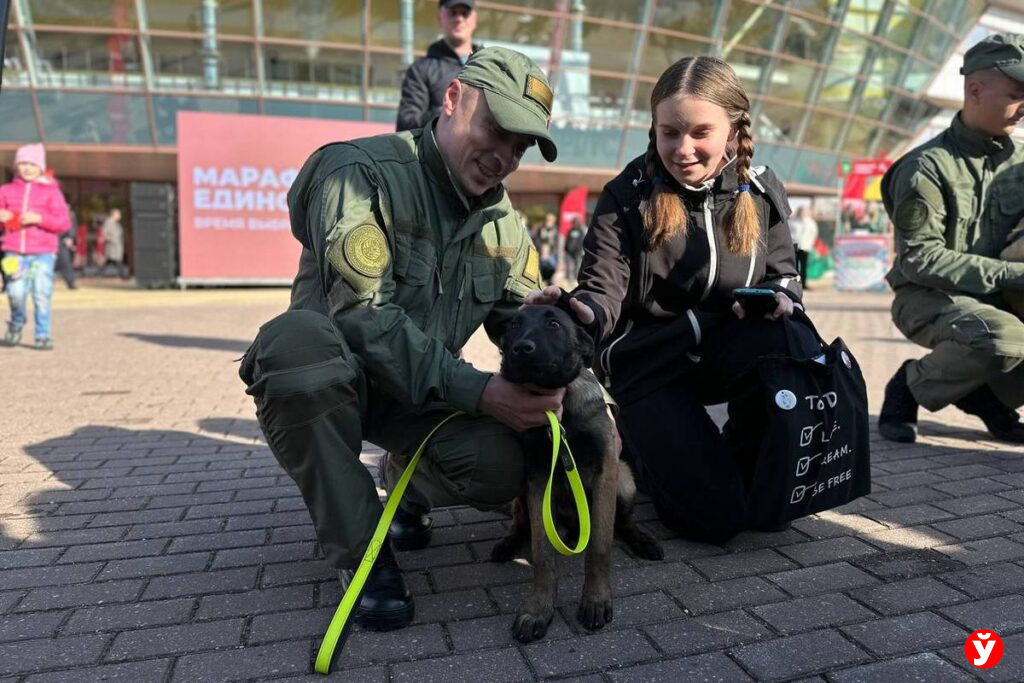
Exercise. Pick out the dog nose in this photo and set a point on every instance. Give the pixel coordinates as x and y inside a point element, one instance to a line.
<point>524,346</point>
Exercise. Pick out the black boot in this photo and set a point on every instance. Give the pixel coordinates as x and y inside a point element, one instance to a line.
<point>410,531</point>
<point>386,603</point>
<point>898,419</point>
<point>1002,421</point>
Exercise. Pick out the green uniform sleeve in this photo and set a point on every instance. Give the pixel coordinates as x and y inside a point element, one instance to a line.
<point>523,278</point>
<point>358,257</point>
<point>919,216</point>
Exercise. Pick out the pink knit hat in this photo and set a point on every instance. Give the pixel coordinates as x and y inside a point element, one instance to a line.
<point>32,154</point>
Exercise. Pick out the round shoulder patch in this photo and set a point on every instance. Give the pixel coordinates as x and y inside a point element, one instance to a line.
<point>366,250</point>
<point>912,215</point>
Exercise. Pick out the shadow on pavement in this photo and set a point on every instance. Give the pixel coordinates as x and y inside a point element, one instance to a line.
<point>181,341</point>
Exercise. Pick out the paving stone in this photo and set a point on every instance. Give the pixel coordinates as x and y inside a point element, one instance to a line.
<point>709,668</point>
<point>735,565</point>
<point>181,639</point>
<point>269,520</point>
<point>906,633</point>
<point>906,564</point>
<point>155,566</point>
<point>496,666</point>
<point>288,573</point>
<point>218,541</point>
<point>807,653</point>
<point>249,662</point>
<point>75,537</point>
<point>189,499</point>
<point>826,578</point>
<point>725,595</point>
<point>1004,614</point>
<point>908,515</point>
<point>478,574</point>
<point>410,643</point>
<point>907,538</point>
<point>28,656</point>
<point>598,652</point>
<point>970,487</point>
<point>81,595</point>
<point>453,605</point>
<point>806,614</point>
<point>985,582</point>
<point>832,524</point>
<point>304,623</point>
<point>9,598</point>
<point>908,596</point>
<point>826,551</point>
<point>112,551</point>
<point>268,554</point>
<point>30,625</point>
<point>493,632</point>
<point>709,632</point>
<point>135,516</point>
<point>441,556</point>
<point>987,551</point>
<point>983,526</point>
<point>149,671</point>
<point>128,617</point>
<point>1010,668</point>
<point>201,583</point>
<point>926,667</point>
<point>175,529</point>
<point>976,505</point>
<point>645,608</point>
<point>16,559</point>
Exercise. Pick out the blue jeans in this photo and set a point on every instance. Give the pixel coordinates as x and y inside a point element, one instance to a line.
<point>35,276</point>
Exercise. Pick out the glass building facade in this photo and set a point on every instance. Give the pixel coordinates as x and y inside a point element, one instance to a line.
<point>828,79</point>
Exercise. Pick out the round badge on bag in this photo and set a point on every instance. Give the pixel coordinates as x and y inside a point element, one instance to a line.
<point>785,399</point>
<point>846,359</point>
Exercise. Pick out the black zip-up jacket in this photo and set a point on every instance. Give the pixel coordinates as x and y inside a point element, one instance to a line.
<point>424,85</point>
<point>653,307</point>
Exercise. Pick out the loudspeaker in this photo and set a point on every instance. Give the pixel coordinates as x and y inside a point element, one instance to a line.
<point>155,235</point>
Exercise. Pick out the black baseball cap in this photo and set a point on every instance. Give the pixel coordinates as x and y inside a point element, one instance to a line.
<point>455,3</point>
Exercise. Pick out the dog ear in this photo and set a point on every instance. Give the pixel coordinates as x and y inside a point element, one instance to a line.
<point>584,346</point>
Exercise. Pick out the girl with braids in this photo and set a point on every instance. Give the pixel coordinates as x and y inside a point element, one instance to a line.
<point>672,236</point>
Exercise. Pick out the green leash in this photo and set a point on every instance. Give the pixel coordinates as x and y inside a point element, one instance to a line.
<point>338,628</point>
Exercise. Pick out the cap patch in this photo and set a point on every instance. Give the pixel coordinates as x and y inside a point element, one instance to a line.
<point>366,250</point>
<point>538,91</point>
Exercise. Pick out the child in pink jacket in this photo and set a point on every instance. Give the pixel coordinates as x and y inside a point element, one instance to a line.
<point>33,214</point>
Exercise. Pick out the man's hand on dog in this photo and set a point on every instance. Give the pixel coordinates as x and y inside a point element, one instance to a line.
<point>520,406</point>
<point>550,295</point>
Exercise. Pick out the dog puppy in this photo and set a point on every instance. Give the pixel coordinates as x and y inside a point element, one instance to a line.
<point>544,347</point>
<point>1015,252</point>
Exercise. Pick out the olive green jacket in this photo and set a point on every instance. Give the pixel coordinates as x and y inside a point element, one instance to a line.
<point>953,201</point>
<point>405,265</point>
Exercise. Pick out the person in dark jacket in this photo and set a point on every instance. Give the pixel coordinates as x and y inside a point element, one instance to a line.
<point>428,77</point>
<point>671,237</point>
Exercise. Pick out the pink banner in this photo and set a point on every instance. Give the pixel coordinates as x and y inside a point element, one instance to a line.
<point>234,171</point>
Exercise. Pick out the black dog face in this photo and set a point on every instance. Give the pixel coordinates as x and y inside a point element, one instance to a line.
<point>543,346</point>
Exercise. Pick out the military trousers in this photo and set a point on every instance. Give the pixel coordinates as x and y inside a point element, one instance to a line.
<point>973,343</point>
<point>316,405</point>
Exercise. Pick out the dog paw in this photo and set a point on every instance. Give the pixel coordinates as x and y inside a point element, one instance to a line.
<point>530,627</point>
<point>504,550</point>
<point>645,545</point>
<point>593,614</point>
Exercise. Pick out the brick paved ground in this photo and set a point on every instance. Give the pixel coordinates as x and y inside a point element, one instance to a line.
<point>147,534</point>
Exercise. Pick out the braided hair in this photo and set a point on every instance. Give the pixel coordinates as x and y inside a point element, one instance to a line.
<point>712,80</point>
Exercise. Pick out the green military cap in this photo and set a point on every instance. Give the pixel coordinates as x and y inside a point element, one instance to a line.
<point>517,93</point>
<point>1003,51</point>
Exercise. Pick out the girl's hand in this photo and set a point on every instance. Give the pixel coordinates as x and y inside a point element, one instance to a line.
<point>784,307</point>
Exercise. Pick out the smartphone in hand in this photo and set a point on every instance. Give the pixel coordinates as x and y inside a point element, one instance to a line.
<point>756,301</point>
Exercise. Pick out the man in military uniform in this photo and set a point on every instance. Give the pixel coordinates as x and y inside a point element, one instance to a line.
<point>409,243</point>
<point>954,200</point>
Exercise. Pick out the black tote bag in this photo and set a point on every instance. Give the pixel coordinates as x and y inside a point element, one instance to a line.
<point>816,454</point>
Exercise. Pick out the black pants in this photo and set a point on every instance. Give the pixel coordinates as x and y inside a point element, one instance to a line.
<point>65,264</point>
<point>697,476</point>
